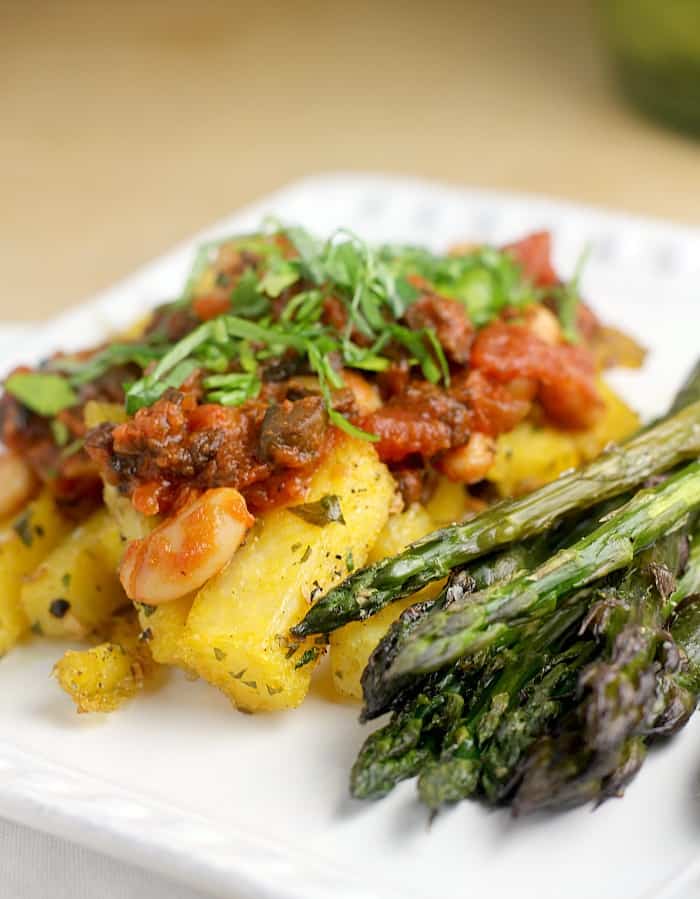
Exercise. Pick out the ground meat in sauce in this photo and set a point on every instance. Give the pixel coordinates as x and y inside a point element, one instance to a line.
<point>270,446</point>
<point>172,322</point>
<point>292,432</point>
<point>494,408</point>
<point>74,476</point>
<point>176,445</point>
<point>510,368</point>
<point>415,482</point>
<point>449,319</point>
<point>422,420</point>
<point>334,313</point>
<point>564,374</point>
<point>534,253</point>
<point>394,380</point>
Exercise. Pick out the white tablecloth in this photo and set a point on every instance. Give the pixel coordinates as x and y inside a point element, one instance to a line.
<point>36,866</point>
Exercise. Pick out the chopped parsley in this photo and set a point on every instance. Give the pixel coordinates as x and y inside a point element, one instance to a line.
<point>308,656</point>
<point>374,287</point>
<point>43,393</point>
<point>273,691</point>
<point>276,308</point>
<point>60,432</point>
<point>567,297</point>
<point>322,512</point>
<point>22,526</point>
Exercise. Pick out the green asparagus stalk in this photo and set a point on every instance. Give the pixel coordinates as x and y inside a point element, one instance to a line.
<point>379,696</point>
<point>417,730</point>
<point>402,747</point>
<point>605,774</point>
<point>518,731</point>
<point>628,616</point>
<point>627,695</point>
<point>484,618</point>
<point>689,584</point>
<point>651,452</point>
<point>562,774</point>
<point>620,688</point>
<point>689,392</point>
<point>399,750</point>
<point>685,630</point>
<point>472,738</point>
<point>457,773</point>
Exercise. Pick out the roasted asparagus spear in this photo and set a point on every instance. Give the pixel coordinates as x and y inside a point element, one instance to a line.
<point>651,452</point>
<point>466,627</point>
<point>636,689</point>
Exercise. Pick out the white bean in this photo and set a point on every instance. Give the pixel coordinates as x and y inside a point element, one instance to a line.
<point>187,549</point>
<point>544,323</point>
<point>469,463</point>
<point>17,484</point>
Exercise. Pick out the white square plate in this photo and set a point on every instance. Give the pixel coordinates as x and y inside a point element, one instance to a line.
<point>257,806</point>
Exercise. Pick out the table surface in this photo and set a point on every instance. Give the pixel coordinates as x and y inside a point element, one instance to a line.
<point>126,127</point>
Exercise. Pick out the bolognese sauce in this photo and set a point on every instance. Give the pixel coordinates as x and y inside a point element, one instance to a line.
<point>420,376</point>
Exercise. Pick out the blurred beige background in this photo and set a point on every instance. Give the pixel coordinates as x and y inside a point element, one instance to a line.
<point>124,126</point>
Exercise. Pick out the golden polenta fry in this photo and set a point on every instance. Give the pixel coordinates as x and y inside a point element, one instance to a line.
<point>237,631</point>
<point>76,588</point>
<point>351,645</point>
<point>532,454</point>
<point>165,624</point>
<point>101,678</point>
<point>24,544</point>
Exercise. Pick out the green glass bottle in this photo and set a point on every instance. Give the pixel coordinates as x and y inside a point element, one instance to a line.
<point>656,48</point>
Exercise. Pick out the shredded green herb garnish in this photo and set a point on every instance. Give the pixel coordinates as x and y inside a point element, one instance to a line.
<point>60,432</point>
<point>568,297</point>
<point>373,285</point>
<point>79,371</point>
